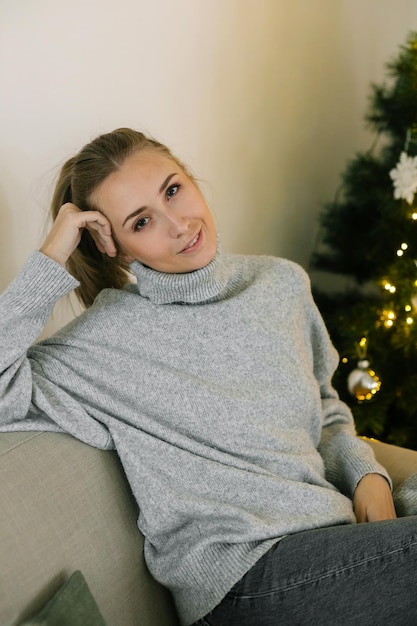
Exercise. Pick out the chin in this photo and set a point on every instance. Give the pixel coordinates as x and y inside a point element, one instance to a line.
<point>198,264</point>
<point>207,258</point>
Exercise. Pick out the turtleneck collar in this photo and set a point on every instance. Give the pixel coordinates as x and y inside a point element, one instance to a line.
<point>207,283</point>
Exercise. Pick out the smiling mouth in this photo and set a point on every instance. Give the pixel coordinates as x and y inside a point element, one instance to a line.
<point>193,243</point>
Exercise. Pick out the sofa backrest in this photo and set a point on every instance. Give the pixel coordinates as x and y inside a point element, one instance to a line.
<point>65,506</point>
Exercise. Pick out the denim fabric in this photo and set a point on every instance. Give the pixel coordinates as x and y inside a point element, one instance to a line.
<point>359,574</point>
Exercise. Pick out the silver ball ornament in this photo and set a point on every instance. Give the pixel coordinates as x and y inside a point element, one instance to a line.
<point>362,382</point>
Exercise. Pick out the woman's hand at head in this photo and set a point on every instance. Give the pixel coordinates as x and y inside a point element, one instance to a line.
<point>65,234</point>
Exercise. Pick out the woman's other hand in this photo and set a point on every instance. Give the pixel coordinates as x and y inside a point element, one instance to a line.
<point>372,500</point>
<point>65,234</point>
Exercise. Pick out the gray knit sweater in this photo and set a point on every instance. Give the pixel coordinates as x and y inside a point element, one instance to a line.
<point>213,387</point>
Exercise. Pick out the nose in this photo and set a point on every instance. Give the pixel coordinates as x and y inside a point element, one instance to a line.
<point>178,224</point>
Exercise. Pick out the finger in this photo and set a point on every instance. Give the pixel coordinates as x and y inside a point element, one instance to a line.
<point>100,230</point>
<point>65,234</point>
<point>106,245</point>
<point>71,214</point>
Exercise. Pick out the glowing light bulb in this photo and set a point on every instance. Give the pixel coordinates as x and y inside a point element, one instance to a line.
<point>408,308</point>
<point>414,216</point>
<point>388,318</point>
<point>389,287</point>
<point>404,246</point>
<point>409,320</point>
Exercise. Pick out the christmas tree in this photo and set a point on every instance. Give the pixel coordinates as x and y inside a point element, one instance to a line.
<point>369,232</point>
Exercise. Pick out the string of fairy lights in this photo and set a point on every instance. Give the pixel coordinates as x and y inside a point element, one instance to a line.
<point>388,316</point>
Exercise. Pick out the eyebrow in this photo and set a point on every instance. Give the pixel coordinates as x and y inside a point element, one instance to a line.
<point>161,190</point>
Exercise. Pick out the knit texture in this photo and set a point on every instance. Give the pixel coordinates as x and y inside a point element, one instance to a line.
<point>215,389</point>
<point>405,497</point>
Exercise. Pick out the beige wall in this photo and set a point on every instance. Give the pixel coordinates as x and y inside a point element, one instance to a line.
<point>263,98</point>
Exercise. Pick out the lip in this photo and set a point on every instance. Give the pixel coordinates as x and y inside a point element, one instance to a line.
<point>195,246</point>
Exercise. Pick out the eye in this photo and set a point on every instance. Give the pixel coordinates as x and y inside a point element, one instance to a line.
<point>171,191</point>
<point>141,223</point>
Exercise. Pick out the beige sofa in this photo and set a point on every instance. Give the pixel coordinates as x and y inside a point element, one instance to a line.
<point>65,506</point>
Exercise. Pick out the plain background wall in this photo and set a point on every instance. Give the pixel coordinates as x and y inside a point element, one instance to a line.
<point>264,99</point>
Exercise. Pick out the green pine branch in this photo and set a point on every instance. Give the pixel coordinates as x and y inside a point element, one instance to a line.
<point>370,236</point>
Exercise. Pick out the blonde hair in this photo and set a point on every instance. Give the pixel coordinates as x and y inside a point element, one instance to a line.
<point>78,178</point>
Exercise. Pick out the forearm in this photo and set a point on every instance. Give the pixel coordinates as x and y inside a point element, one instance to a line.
<point>346,457</point>
<point>24,309</point>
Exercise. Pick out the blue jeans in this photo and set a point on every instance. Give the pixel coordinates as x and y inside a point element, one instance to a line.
<point>358,574</point>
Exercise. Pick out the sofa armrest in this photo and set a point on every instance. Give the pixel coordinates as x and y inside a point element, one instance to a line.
<point>400,463</point>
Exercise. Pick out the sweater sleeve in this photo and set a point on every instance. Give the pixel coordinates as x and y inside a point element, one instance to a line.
<point>27,400</point>
<point>347,458</point>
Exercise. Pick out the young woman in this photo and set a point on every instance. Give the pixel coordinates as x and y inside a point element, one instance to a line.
<point>211,377</point>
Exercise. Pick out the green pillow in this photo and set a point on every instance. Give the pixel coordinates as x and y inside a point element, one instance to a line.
<point>72,605</point>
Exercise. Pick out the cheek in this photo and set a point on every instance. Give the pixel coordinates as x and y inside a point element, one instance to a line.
<point>143,245</point>
<point>125,244</point>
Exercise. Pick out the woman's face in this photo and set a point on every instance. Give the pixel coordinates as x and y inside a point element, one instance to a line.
<point>158,215</point>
